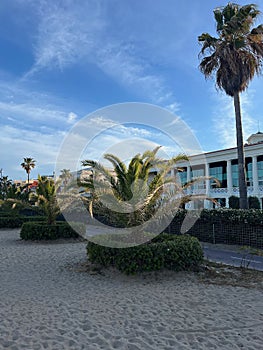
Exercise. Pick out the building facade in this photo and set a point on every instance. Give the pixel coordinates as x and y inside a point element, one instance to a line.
<point>223,165</point>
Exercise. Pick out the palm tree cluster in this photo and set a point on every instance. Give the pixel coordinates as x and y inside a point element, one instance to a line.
<point>234,57</point>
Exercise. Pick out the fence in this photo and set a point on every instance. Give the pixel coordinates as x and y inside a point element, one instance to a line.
<point>222,231</point>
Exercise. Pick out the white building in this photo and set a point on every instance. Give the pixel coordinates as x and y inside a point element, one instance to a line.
<point>222,164</point>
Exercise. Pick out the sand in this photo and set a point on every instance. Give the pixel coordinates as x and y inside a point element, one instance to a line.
<point>47,303</point>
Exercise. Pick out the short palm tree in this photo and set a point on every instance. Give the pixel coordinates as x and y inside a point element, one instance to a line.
<point>131,189</point>
<point>235,56</point>
<point>136,190</point>
<point>28,164</point>
<point>46,195</point>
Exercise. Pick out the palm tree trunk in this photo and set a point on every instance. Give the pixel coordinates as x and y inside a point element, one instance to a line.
<point>27,182</point>
<point>240,156</point>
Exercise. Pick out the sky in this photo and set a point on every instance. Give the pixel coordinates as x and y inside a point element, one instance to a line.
<point>61,61</point>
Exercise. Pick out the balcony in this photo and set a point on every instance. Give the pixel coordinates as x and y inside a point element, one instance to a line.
<point>223,192</point>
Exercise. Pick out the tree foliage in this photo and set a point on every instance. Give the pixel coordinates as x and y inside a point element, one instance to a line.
<point>139,189</point>
<point>46,194</point>
<point>234,57</point>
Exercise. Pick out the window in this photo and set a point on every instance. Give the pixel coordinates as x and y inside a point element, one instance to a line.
<point>235,174</point>
<point>218,171</point>
<point>196,173</point>
<point>260,170</point>
<point>182,176</point>
<point>249,175</point>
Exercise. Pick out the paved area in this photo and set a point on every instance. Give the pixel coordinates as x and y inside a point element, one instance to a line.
<point>232,255</point>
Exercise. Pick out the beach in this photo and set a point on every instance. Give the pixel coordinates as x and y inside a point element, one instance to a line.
<point>47,302</point>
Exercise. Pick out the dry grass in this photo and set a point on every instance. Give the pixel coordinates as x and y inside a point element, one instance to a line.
<point>208,273</point>
<point>214,273</point>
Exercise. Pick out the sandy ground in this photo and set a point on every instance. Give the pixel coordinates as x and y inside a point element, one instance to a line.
<point>47,303</point>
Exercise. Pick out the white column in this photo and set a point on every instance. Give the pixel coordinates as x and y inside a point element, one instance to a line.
<point>188,178</point>
<point>188,173</point>
<point>255,175</point>
<point>173,172</point>
<point>207,182</point>
<point>207,186</point>
<point>229,177</point>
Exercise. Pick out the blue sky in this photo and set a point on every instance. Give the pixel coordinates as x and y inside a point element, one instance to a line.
<point>61,60</point>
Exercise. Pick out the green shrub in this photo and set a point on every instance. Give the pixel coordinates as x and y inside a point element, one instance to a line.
<point>17,221</point>
<point>165,251</point>
<point>253,202</point>
<point>234,202</point>
<point>42,231</point>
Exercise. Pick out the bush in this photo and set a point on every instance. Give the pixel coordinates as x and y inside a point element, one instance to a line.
<point>165,251</point>
<point>16,221</point>
<point>234,202</point>
<point>42,231</point>
<point>253,202</point>
<point>227,226</point>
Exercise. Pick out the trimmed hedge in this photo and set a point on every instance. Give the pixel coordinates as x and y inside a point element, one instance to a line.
<point>227,226</point>
<point>165,251</point>
<point>17,221</point>
<point>251,216</point>
<point>253,202</point>
<point>42,231</point>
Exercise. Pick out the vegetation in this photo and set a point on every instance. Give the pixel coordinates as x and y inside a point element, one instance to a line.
<point>131,195</point>
<point>46,194</point>
<point>9,190</point>
<point>253,202</point>
<point>41,231</point>
<point>227,226</point>
<point>16,221</point>
<point>234,202</point>
<point>234,57</point>
<point>165,251</point>
<point>65,176</point>
<point>129,189</point>
<point>28,164</point>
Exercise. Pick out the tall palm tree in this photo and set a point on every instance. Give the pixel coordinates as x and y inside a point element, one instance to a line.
<point>28,164</point>
<point>235,56</point>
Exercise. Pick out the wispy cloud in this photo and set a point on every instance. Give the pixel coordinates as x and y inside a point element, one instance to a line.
<point>82,33</point>
<point>25,143</point>
<point>31,124</point>
<point>24,107</point>
<point>32,113</point>
<point>224,119</point>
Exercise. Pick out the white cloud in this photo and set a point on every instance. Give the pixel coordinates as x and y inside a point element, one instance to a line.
<point>224,119</point>
<point>32,112</point>
<point>75,33</point>
<point>24,107</point>
<point>19,143</point>
<point>72,118</point>
<point>173,107</point>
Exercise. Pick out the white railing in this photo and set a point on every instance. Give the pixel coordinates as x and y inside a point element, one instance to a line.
<point>219,191</point>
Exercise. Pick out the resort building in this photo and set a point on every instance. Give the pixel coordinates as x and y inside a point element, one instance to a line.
<point>223,165</point>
